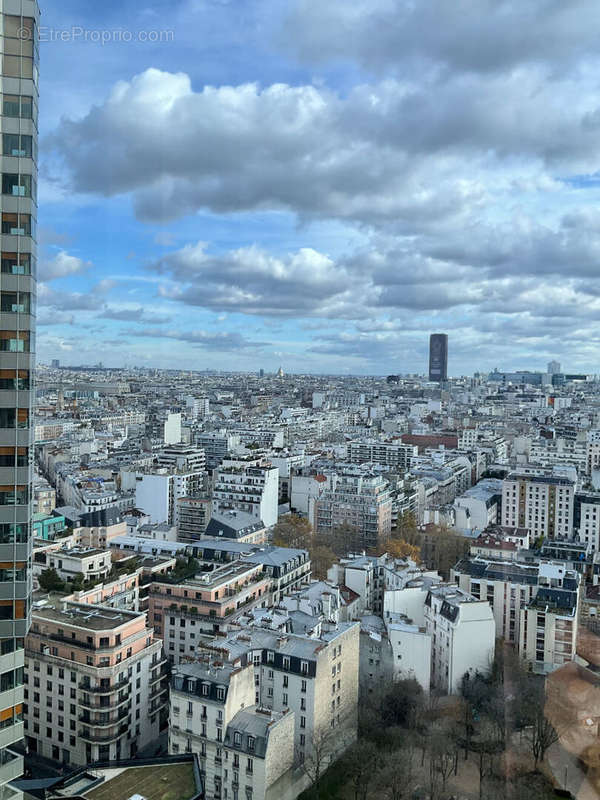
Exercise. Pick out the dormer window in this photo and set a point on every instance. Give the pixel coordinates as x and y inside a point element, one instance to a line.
<point>237,739</point>
<point>270,656</point>
<point>205,689</point>
<point>220,693</point>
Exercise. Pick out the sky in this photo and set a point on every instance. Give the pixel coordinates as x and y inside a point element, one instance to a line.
<point>244,184</point>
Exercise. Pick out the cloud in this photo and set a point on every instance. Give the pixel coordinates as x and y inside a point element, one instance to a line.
<point>253,281</point>
<point>388,151</point>
<point>61,300</point>
<point>62,266</point>
<point>209,340</point>
<point>481,36</point>
<point>135,315</point>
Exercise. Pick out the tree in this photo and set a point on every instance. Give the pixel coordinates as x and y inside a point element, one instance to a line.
<point>361,759</point>
<point>321,557</point>
<point>397,778</point>
<point>293,531</point>
<point>400,548</point>
<point>407,528</point>
<point>344,539</point>
<point>50,581</point>
<point>321,748</point>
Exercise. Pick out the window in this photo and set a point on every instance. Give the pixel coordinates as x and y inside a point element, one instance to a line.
<point>303,686</point>
<point>14,224</point>
<point>15,303</point>
<point>237,739</point>
<point>15,105</point>
<point>304,667</point>
<point>17,144</point>
<point>18,185</point>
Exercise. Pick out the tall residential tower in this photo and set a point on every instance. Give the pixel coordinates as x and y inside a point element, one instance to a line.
<point>19,77</point>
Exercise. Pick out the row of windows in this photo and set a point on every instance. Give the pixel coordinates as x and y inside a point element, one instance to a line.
<point>19,106</point>
<point>13,379</point>
<point>13,496</point>
<point>15,341</point>
<point>14,417</point>
<point>19,185</point>
<point>17,263</point>
<point>16,302</point>
<point>17,224</point>
<point>14,456</point>
<point>19,145</point>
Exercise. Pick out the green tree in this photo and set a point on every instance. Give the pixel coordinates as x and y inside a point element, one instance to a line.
<point>50,581</point>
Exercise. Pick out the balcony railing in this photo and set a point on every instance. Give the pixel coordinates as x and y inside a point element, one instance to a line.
<point>95,723</point>
<point>87,736</point>
<point>114,687</point>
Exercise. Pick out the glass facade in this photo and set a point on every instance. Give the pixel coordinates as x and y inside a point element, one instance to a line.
<point>19,54</point>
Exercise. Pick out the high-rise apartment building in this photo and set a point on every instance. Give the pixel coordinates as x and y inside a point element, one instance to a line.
<point>438,357</point>
<point>542,503</point>
<point>19,37</point>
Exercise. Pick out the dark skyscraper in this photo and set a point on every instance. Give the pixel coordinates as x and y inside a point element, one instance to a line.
<point>438,357</point>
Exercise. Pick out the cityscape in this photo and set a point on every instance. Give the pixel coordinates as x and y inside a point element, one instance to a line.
<point>299,417</point>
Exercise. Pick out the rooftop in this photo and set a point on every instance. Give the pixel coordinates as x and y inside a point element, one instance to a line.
<point>83,615</point>
<point>163,782</point>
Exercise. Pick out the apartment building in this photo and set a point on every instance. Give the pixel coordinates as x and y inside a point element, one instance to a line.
<point>361,500</point>
<point>315,678</point>
<point>462,634</point>
<point>548,635</point>
<point>237,525</point>
<point>157,490</point>
<point>44,499</point>
<point>216,445</point>
<point>207,602</point>
<point>507,585</point>
<point>18,201</point>
<point>542,503</point>
<point>586,519</point>
<point>248,484</point>
<point>245,751</point>
<point>95,682</point>
<point>391,454</point>
<point>69,562</point>
<point>193,516</point>
<point>182,458</point>
<point>478,508</point>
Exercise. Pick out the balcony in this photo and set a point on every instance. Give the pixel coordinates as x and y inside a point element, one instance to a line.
<point>112,706</point>
<point>87,736</point>
<point>93,723</point>
<point>104,689</point>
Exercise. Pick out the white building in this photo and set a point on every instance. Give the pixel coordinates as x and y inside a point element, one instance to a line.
<point>479,506</point>
<point>460,627</point>
<point>172,429</point>
<point>248,484</point>
<point>157,491</point>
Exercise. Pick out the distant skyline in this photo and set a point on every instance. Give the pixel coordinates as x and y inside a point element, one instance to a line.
<point>320,185</point>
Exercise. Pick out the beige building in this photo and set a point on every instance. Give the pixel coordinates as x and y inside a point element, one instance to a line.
<point>542,503</point>
<point>95,683</point>
<point>246,752</point>
<point>315,678</point>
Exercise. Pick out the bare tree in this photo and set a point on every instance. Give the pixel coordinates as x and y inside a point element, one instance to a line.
<point>362,760</point>
<point>542,735</point>
<point>322,748</point>
<point>397,778</point>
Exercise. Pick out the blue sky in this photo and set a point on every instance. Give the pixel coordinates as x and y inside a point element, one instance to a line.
<point>319,185</point>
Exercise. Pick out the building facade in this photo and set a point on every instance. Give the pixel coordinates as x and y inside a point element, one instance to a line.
<point>95,683</point>
<point>438,357</point>
<point>19,86</point>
